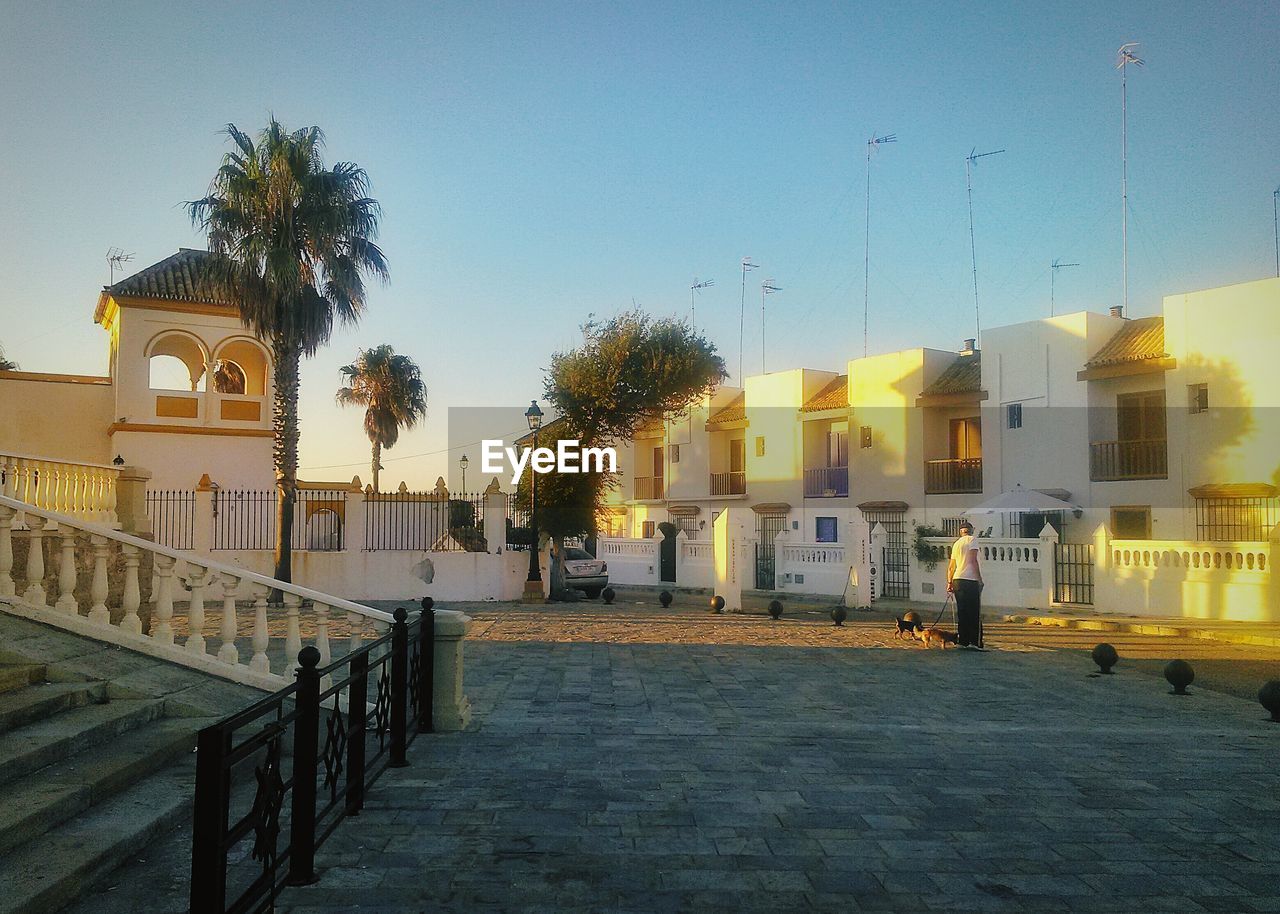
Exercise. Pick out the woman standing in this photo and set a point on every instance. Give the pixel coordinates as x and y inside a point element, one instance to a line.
<point>964,579</point>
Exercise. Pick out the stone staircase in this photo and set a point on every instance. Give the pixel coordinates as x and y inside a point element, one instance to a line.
<point>96,759</point>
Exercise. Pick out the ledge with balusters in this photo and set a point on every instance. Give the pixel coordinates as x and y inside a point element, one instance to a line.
<point>86,577</point>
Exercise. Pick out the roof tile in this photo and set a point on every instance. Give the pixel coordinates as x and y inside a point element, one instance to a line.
<point>834,396</point>
<point>176,278</point>
<point>1136,341</point>
<point>962,376</point>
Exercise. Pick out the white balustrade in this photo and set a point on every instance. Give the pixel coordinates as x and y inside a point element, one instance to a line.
<point>259,662</point>
<point>195,611</point>
<point>35,561</point>
<point>228,652</point>
<point>67,575</point>
<point>7,515</point>
<point>99,614</point>
<point>85,491</point>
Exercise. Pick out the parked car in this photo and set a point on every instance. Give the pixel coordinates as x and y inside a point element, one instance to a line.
<point>585,572</point>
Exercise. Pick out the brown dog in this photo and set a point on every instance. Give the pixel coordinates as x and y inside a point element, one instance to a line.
<point>932,636</point>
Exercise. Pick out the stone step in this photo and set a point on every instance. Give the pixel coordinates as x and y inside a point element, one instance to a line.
<point>49,874</point>
<point>48,797</point>
<point>79,730</point>
<point>20,675</point>
<point>44,699</point>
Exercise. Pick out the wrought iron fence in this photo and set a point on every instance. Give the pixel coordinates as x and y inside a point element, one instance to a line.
<point>1073,573</point>
<point>246,519</point>
<point>424,522</point>
<point>519,524</point>
<point>341,742</point>
<point>172,513</point>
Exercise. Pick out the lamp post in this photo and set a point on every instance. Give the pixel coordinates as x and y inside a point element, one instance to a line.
<point>533,584</point>
<point>463,462</point>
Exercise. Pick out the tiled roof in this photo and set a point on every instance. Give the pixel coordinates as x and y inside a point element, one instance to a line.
<point>1137,341</point>
<point>834,396</point>
<point>963,376</point>
<point>734,411</point>
<point>176,278</point>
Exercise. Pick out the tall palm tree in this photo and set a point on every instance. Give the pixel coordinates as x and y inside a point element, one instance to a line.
<point>391,389</point>
<point>7,364</point>
<point>295,244</point>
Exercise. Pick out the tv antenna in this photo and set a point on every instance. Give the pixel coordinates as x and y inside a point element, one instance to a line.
<point>1053,275</point>
<point>1124,57</point>
<point>742,312</point>
<point>116,257</point>
<point>872,145</point>
<point>1275,219</point>
<point>698,286</point>
<point>970,161</point>
<point>768,287</point>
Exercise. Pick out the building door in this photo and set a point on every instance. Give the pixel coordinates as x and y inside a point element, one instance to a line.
<point>667,552</point>
<point>895,560</point>
<point>768,526</point>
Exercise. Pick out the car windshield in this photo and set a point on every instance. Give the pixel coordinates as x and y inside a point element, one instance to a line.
<point>573,553</point>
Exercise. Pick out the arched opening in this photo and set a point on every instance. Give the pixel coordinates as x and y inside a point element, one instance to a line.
<point>241,363</point>
<point>324,531</point>
<point>228,377</point>
<point>176,361</point>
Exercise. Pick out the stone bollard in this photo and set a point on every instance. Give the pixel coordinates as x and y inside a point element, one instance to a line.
<point>452,707</point>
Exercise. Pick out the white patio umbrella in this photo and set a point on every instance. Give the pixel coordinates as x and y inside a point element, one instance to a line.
<point>1021,501</point>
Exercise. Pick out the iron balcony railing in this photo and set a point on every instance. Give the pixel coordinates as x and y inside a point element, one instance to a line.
<point>1146,458</point>
<point>826,482</point>
<point>647,488</point>
<point>950,477</point>
<point>731,483</point>
<point>283,773</point>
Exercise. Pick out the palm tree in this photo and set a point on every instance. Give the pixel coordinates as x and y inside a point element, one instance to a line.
<point>391,389</point>
<point>7,364</point>
<point>294,244</point>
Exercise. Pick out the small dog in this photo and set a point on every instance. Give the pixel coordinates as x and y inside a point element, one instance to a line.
<point>932,636</point>
<point>906,627</point>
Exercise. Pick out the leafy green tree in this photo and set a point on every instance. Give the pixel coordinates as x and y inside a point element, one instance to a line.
<point>391,389</point>
<point>295,245</point>
<point>629,372</point>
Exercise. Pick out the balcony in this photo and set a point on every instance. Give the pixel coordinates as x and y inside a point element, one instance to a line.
<point>953,477</point>
<point>729,483</point>
<point>1144,458</point>
<point>826,482</point>
<point>647,488</point>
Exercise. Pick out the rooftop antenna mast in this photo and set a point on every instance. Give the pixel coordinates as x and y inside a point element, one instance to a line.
<point>742,312</point>
<point>698,286</point>
<point>1275,219</point>
<point>872,144</point>
<point>1124,57</point>
<point>969,162</point>
<point>768,287</point>
<point>116,257</point>
<point>1053,275</point>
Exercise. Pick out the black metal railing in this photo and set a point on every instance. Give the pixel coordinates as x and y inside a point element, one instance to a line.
<point>731,483</point>
<point>341,742</point>
<point>826,482</point>
<point>1146,458</point>
<point>957,475</point>
<point>519,525</point>
<point>1073,573</point>
<point>424,522</point>
<point>246,519</point>
<point>172,513</point>
<point>647,488</point>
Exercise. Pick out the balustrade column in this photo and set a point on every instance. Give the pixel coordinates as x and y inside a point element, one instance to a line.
<point>132,597</point>
<point>355,636</point>
<point>6,544</point>
<point>322,640</point>
<point>293,630</point>
<point>259,662</point>
<point>67,574</point>
<point>195,611</point>
<point>227,632</point>
<point>98,612</point>
<point>35,561</point>
<point>162,597</point>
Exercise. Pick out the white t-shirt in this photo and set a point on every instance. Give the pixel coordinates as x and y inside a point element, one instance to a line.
<point>965,555</point>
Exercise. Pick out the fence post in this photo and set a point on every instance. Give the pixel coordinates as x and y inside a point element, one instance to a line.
<point>357,724</point>
<point>355,524</point>
<point>306,736</point>
<point>399,688</point>
<point>209,823</point>
<point>130,514</point>
<point>202,516</point>
<point>427,667</point>
<point>495,517</point>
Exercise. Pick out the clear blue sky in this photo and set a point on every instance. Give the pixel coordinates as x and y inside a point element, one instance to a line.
<point>538,162</point>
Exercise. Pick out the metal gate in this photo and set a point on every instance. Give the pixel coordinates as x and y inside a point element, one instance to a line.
<point>895,559</point>
<point>1073,573</point>
<point>768,526</point>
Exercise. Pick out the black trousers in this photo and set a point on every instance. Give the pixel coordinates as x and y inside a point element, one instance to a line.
<point>968,611</point>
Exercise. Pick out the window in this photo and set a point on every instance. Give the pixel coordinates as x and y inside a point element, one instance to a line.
<point>838,448</point>
<point>1198,398</point>
<point>1235,520</point>
<point>966,438</point>
<point>759,445</point>
<point>737,455</point>
<point>686,522</point>
<point>1014,413</point>
<point>1131,522</point>
<point>647,529</point>
<point>864,436</point>
<point>674,451</point>
<point>825,529</point>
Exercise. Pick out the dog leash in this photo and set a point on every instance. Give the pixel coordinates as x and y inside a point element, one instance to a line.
<point>942,611</point>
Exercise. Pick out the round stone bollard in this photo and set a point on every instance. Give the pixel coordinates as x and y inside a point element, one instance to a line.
<point>608,594</point>
<point>665,598</point>
<point>1180,675</point>
<point>839,614</point>
<point>1269,698</point>
<point>775,609</point>
<point>717,604</point>
<point>1105,656</point>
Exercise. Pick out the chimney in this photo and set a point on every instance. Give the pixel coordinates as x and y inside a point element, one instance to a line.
<point>1117,310</point>
<point>968,348</point>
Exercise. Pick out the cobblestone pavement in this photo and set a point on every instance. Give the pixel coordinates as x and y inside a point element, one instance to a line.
<point>663,763</point>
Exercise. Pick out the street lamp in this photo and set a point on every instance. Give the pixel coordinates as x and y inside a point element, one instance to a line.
<point>534,417</point>
<point>462,465</point>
